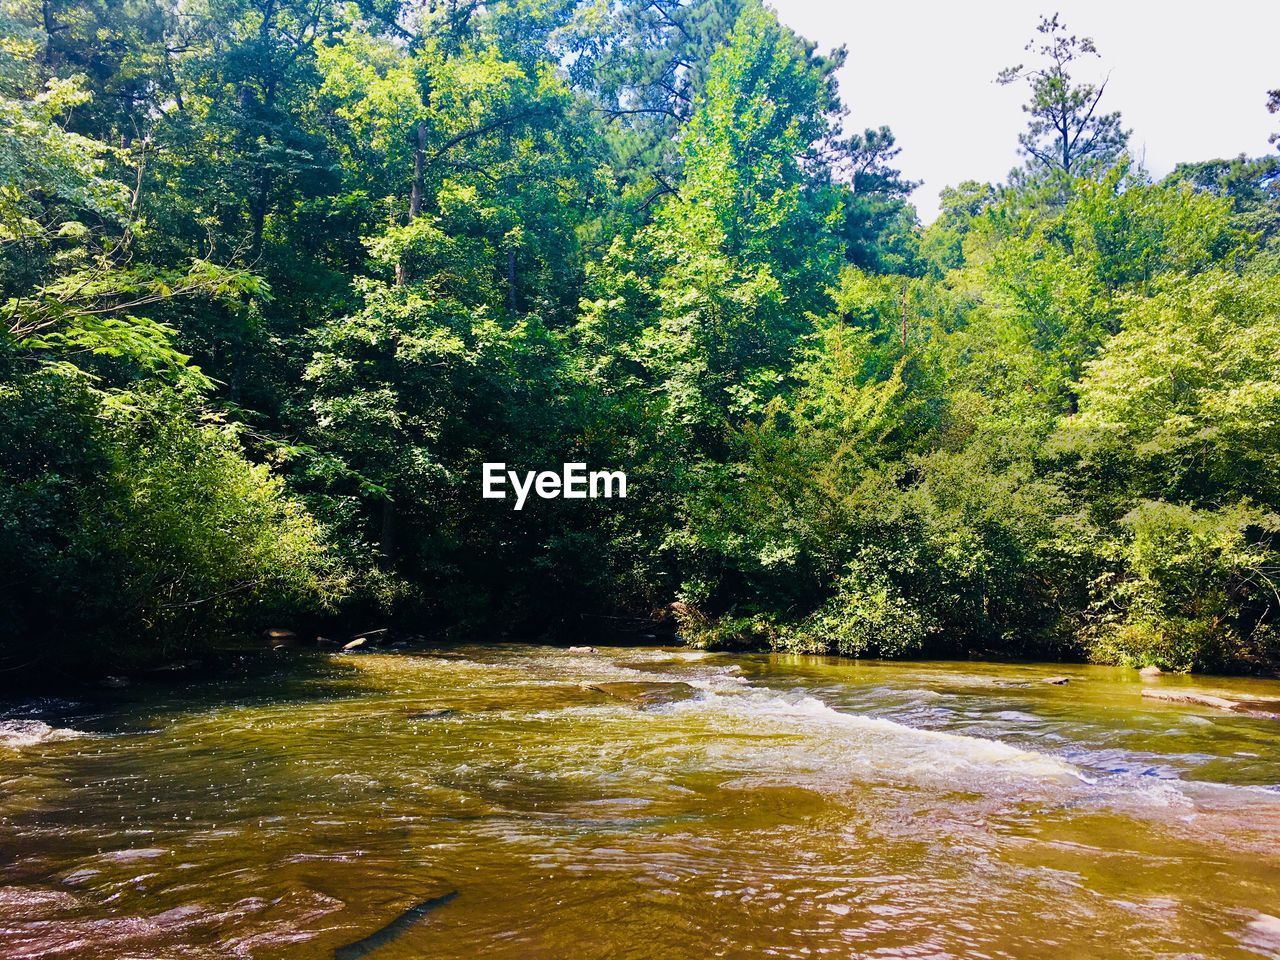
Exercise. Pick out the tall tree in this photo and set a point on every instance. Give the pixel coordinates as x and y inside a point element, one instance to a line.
<point>483,165</point>
<point>747,246</point>
<point>1273,106</point>
<point>1067,133</point>
<point>879,223</point>
<point>645,64</point>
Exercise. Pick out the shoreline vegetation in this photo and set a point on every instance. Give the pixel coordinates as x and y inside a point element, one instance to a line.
<point>278,278</point>
<point>286,657</point>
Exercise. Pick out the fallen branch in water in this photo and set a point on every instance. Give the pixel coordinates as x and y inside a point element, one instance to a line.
<point>393,930</point>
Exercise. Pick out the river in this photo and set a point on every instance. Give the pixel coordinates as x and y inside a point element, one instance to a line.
<point>512,801</point>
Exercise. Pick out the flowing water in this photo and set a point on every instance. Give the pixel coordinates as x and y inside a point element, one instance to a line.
<point>493,802</point>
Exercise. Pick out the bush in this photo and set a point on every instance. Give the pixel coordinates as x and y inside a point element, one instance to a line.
<point>867,616</point>
<point>1190,589</point>
<point>130,529</point>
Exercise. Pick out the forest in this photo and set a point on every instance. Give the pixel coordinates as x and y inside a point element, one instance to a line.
<point>279,276</point>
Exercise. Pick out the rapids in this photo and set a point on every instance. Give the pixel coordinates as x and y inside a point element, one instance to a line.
<point>499,802</point>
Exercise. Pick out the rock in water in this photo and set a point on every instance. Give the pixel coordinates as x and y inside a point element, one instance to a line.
<point>1057,681</point>
<point>393,930</point>
<point>1150,672</point>
<point>583,650</point>
<point>435,713</point>
<point>1256,708</point>
<point>1190,696</point>
<point>178,666</point>
<point>355,644</point>
<point>279,637</point>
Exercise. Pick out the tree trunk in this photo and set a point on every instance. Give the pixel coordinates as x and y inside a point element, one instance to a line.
<point>50,28</point>
<point>511,278</point>
<point>387,539</point>
<point>419,162</point>
<point>415,192</point>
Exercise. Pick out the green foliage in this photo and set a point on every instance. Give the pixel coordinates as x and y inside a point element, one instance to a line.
<point>278,276</point>
<point>744,252</point>
<point>645,66</point>
<point>866,616</point>
<point>1183,402</point>
<point>1253,188</point>
<point>1067,135</point>
<point>130,529</point>
<point>1175,445</point>
<point>1191,589</point>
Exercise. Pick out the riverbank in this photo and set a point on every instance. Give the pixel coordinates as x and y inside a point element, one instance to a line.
<point>263,652</point>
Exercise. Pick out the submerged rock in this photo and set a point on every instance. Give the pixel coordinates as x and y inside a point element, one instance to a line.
<point>434,713</point>
<point>646,693</point>
<point>1057,681</point>
<point>1256,708</point>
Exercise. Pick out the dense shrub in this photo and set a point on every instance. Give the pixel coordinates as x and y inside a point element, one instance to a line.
<point>131,530</point>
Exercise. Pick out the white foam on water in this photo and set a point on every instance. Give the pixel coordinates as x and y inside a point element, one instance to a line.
<point>757,734</point>
<point>797,738</point>
<point>1262,935</point>
<point>16,734</point>
<point>792,737</point>
<point>800,734</point>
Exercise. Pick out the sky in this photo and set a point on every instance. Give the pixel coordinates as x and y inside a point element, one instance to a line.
<point>1190,80</point>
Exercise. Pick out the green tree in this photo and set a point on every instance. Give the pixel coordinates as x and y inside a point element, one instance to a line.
<point>1066,132</point>
<point>746,249</point>
<point>645,64</point>
<point>880,224</point>
<point>132,525</point>
<point>1273,106</point>
<point>484,167</point>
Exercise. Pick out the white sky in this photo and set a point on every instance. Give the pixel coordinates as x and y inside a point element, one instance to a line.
<point>1190,79</point>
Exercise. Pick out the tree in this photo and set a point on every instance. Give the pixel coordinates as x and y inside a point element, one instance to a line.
<point>1273,106</point>
<point>1066,134</point>
<point>1176,443</point>
<point>746,248</point>
<point>483,167</point>
<point>277,276</point>
<point>645,63</point>
<point>1181,404</point>
<point>132,524</point>
<point>879,222</point>
<point>1252,186</point>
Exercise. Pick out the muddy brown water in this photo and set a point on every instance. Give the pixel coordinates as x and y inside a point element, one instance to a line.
<point>529,802</point>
